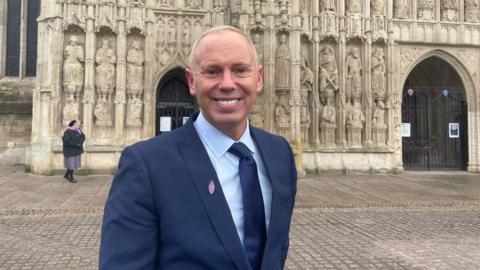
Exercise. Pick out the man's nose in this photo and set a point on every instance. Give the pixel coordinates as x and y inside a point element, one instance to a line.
<point>227,82</point>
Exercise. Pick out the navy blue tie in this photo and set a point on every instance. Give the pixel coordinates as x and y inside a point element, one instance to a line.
<point>253,209</point>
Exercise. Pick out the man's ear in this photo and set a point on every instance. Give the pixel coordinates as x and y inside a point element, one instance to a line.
<point>190,80</point>
<point>259,78</point>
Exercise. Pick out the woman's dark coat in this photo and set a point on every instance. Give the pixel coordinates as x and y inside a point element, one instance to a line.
<point>72,143</point>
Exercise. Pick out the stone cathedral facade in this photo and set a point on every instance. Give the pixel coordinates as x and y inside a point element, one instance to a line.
<point>335,72</point>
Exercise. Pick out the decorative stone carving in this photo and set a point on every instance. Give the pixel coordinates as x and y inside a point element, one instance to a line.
<point>472,9</point>
<point>257,42</point>
<point>425,9</point>
<point>377,7</point>
<point>71,109</point>
<point>73,72</point>
<point>164,3</point>
<point>328,5</point>
<point>194,4</point>
<point>186,37</point>
<point>282,64</point>
<point>354,76</point>
<point>136,15</point>
<point>379,28</point>
<point>328,121</point>
<point>282,112</point>
<point>354,6</point>
<point>257,117</point>
<point>355,122</point>
<point>449,10</point>
<point>74,14</point>
<point>107,15</point>
<point>103,112</point>
<point>306,86</point>
<point>105,71</point>
<point>378,73</point>
<point>378,124</point>
<point>329,24</point>
<point>355,26</point>
<point>400,8</point>
<point>135,60</point>
<point>328,73</point>
<point>134,112</point>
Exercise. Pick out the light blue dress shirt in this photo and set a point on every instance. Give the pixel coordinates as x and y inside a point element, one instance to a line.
<point>226,166</point>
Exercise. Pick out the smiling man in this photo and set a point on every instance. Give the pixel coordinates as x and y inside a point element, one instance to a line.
<point>216,193</point>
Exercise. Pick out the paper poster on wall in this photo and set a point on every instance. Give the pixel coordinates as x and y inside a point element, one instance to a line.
<point>185,119</point>
<point>405,129</point>
<point>165,123</point>
<point>454,130</point>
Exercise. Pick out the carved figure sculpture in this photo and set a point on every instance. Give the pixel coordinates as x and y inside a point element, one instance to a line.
<point>355,121</point>
<point>378,123</point>
<point>73,67</point>
<point>328,72</point>
<point>354,76</point>
<point>134,112</point>
<point>425,9</point>
<point>135,60</point>
<point>328,123</point>
<point>354,6</point>
<point>256,113</point>
<point>103,112</point>
<point>70,110</point>
<point>378,73</point>
<point>400,9</point>
<point>449,10</point>
<point>377,7</point>
<point>328,5</point>
<point>282,112</point>
<point>105,72</point>
<point>282,64</point>
<point>306,86</point>
<point>472,10</point>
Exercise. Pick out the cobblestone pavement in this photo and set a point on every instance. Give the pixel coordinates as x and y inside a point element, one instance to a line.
<point>406,221</point>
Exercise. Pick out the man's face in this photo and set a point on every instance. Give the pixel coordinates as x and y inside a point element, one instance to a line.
<point>225,81</point>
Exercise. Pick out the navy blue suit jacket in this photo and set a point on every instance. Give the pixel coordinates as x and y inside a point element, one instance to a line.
<point>160,214</point>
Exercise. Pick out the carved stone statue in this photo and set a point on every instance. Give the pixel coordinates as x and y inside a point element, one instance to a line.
<point>135,60</point>
<point>328,71</point>
<point>282,64</point>
<point>354,76</point>
<point>377,7</point>
<point>355,121</point>
<point>306,86</point>
<point>328,124</point>
<point>134,113</point>
<point>70,110</point>
<point>378,123</point>
<point>257,114</point>
<point>103,112</point>
<point>282,112</point>
<point>328,5</point>
<point>472,10</point>
<point>400,9</point>
<point>73,73</point>
<point>449,10</point>
<point>378,73</point>
<point>354,6</point>
<point>105,71</point>
<point>425,9</point>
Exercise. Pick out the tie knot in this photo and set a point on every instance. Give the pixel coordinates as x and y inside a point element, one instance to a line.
<point>240,150</point>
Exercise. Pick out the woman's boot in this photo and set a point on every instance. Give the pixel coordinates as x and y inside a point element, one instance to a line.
<point>67,173</point>
<point>70,177</point>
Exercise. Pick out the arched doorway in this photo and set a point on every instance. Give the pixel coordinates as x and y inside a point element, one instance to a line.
<point>174,103</point>
<point>434,118</point>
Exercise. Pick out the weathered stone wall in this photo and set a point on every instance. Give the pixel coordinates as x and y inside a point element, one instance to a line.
<point>15,119</point>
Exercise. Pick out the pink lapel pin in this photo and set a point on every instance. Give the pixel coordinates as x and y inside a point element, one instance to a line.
<point>211,187</point>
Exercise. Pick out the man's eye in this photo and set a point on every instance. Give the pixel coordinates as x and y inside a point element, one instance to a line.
<point>212,72</point>
<point>241,71</point>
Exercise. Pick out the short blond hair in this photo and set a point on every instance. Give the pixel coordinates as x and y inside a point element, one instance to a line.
<point>218,29</point>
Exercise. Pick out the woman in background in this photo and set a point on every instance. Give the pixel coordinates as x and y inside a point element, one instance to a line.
<point>73,139</point>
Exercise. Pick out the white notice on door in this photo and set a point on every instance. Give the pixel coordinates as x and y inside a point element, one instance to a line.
<point>405,129</point>
<point>165,123</point>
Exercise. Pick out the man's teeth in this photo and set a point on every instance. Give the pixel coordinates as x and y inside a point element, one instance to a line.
<point>228,102</point>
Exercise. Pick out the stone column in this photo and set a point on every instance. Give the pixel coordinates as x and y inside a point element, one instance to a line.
<point>22,64</point>
<point>391,91</point>
<point>3,36</point>
<point>367,95</point>
<point>315,117</point>
<point>121,80</point>
<point>269,68</point>
<point>341,97</point>
<point>295,72</point>
<point>89,90</point>
<point>150,88</point>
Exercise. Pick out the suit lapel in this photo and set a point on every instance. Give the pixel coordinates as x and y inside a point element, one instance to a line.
<point>202,173</point>
<point>268,153</point>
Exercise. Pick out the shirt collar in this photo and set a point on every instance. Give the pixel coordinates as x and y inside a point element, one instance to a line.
<point>218,142</point>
